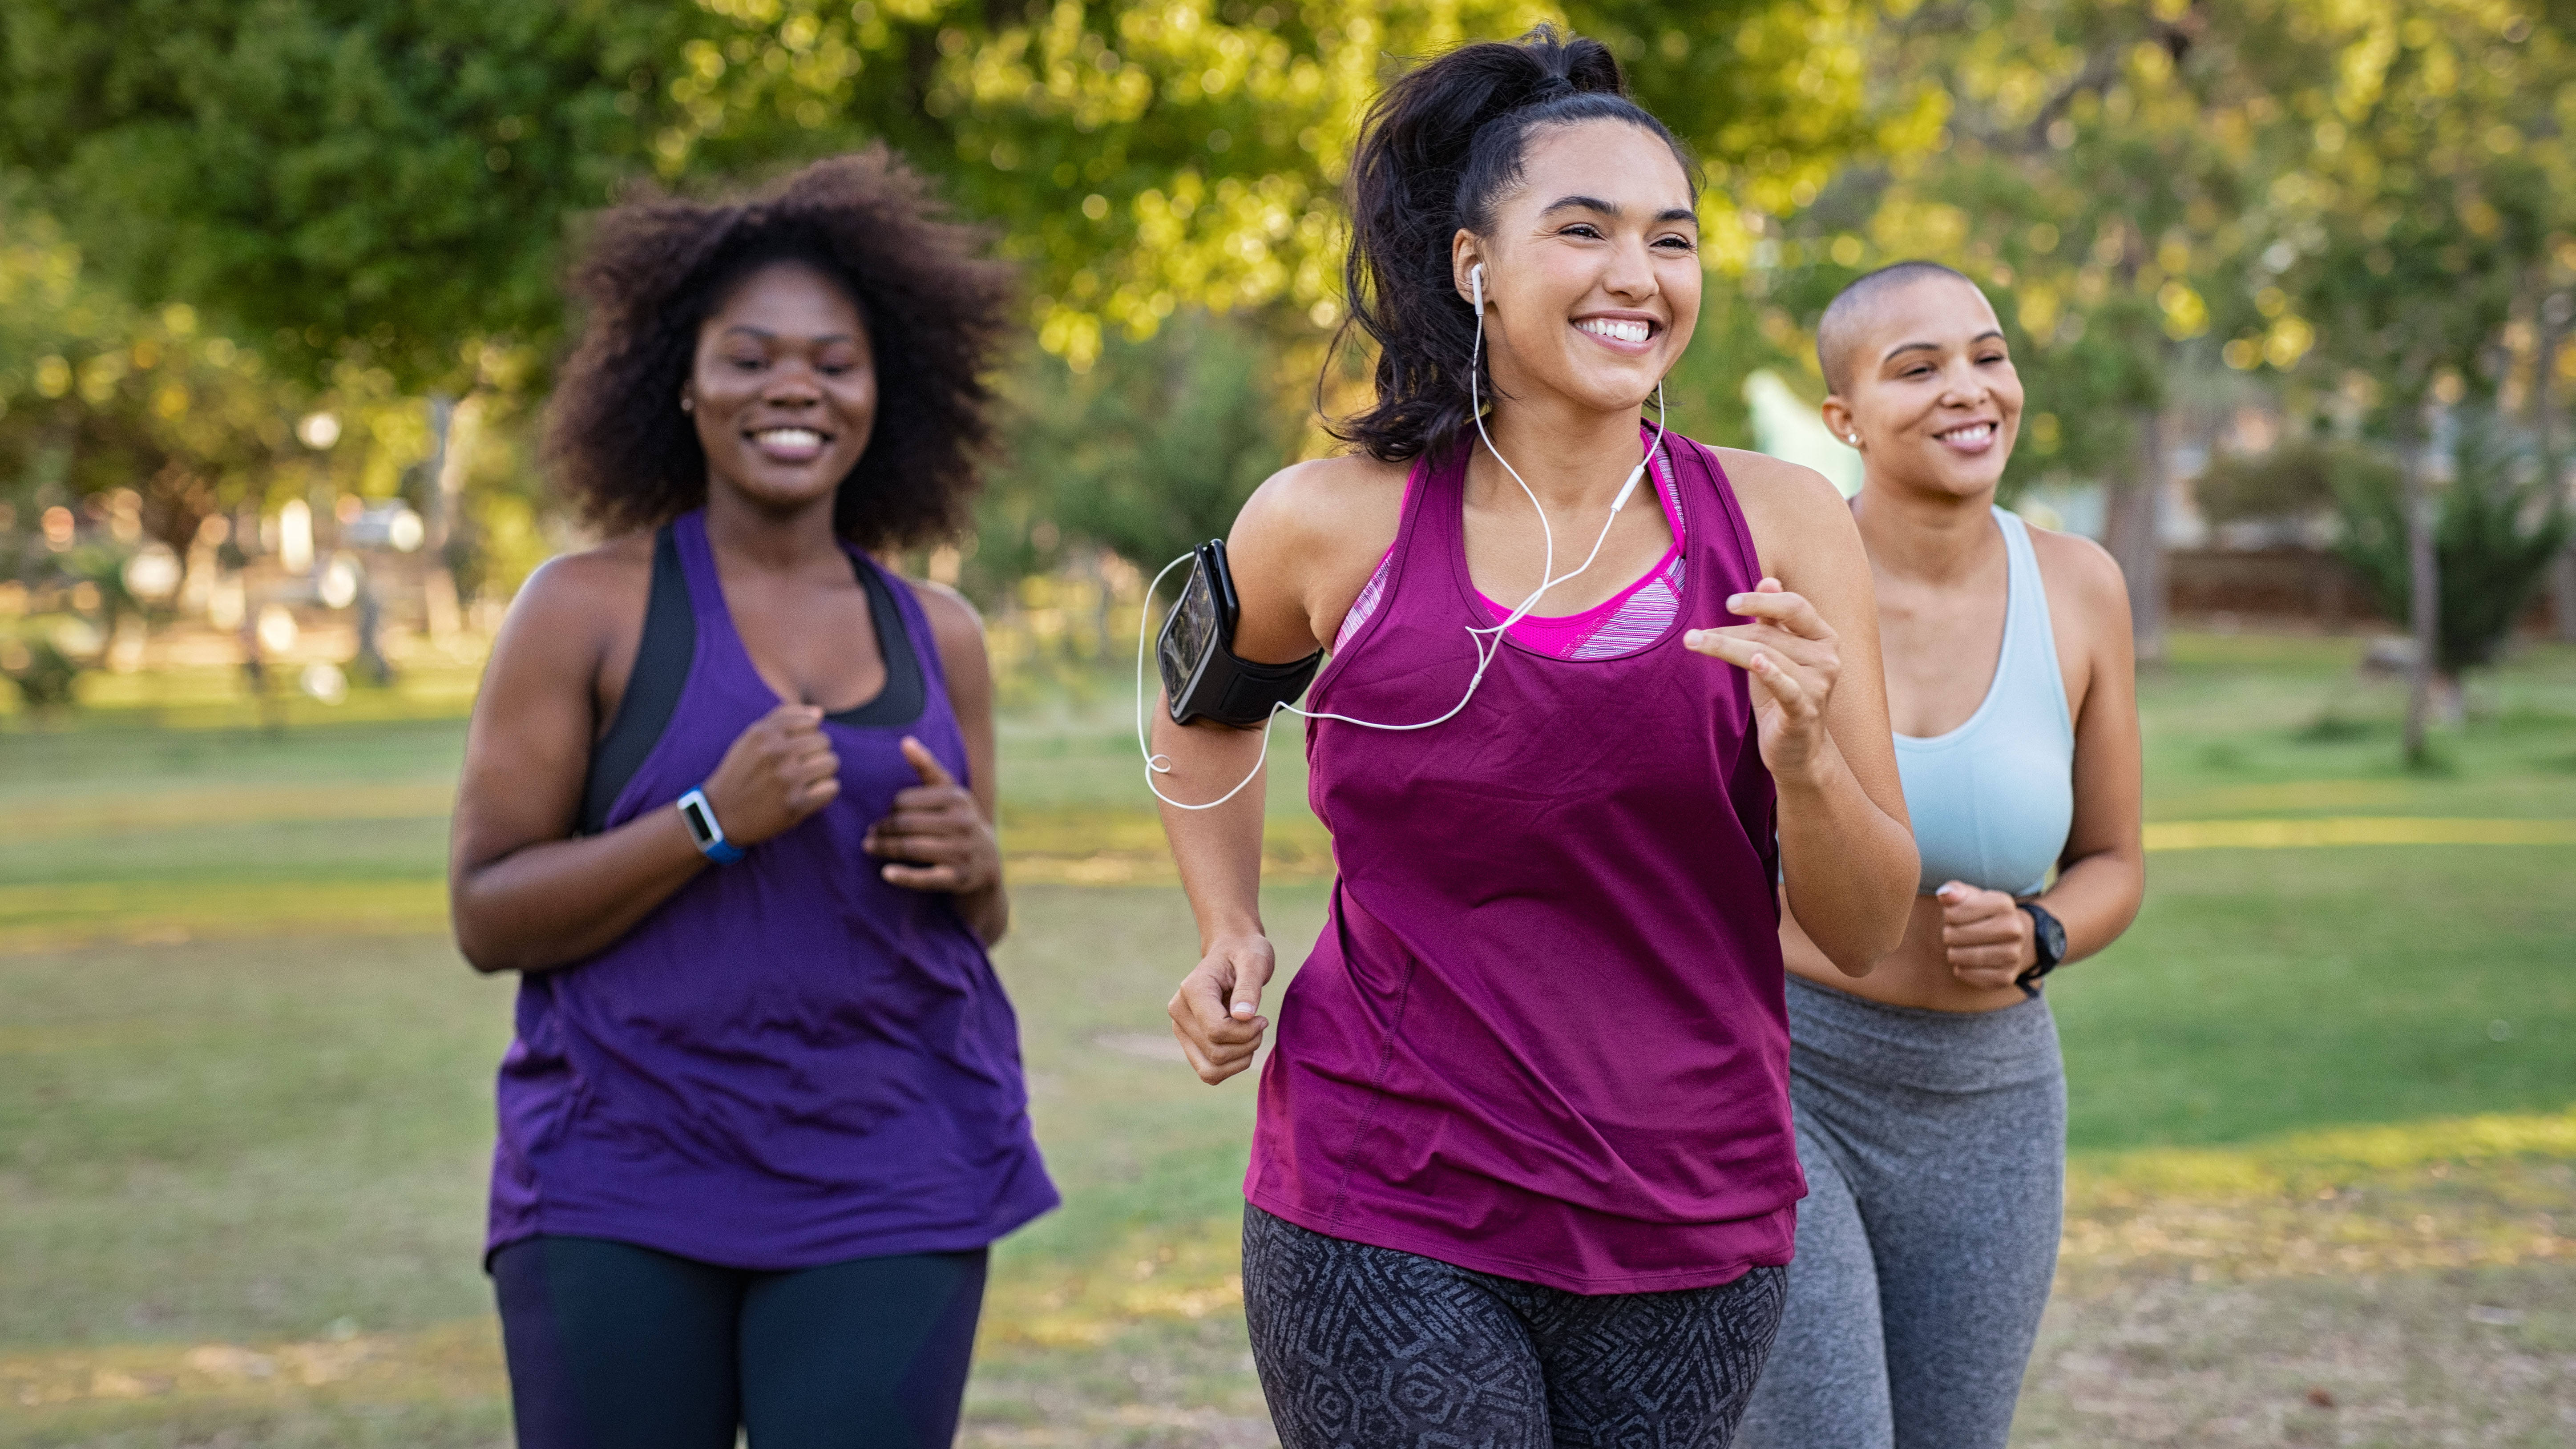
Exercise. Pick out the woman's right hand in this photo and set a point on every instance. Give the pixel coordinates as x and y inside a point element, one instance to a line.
<point>775,773</point>
<point>1216,1012</point>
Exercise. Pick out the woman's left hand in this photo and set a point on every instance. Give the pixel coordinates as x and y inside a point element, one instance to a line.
<point>1789,652</point>
<point>937,838</point>
<point>1989,936</point>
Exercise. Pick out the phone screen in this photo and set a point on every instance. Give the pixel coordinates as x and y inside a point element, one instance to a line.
<point>1195,623</point>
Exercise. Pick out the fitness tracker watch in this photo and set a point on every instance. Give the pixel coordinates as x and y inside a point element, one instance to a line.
<point>2048,938</point>
<point>710,837</point>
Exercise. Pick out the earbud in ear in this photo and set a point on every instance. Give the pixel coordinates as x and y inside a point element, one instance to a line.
<point>1476,282</point>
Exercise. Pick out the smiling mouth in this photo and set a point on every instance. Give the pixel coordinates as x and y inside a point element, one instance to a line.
<point>1616,329</point>
<point>789,445</point>
<point>1970,436</point>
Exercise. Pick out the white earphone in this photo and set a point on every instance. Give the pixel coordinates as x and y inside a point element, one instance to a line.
<point>1487,640</point>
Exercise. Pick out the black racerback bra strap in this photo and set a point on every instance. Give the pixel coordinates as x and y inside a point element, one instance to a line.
<point>670,645</point>
<point>653,686</point>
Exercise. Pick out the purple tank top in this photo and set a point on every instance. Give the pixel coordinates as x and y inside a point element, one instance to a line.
<point>790,1062</point>
<point>1543,1034</point>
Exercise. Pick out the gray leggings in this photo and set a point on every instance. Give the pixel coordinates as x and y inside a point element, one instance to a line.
<point>1935,1149</point>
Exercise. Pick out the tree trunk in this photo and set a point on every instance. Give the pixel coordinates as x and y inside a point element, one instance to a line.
<point>451,430</point>
<point>2544,424</point>
<point>2562,594</point>
<point>2423,579</point>
<point>2133,525</point>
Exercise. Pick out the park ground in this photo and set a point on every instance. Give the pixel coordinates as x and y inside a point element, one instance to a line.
<point>2324,1093</point>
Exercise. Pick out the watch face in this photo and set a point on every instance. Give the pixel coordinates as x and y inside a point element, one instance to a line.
<point>2052,938</point>
<point>700,827</point>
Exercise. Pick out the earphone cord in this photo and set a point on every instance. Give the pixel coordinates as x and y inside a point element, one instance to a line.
<point>1487,639</point>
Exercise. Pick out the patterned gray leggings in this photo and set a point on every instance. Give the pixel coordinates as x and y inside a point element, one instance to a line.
<point>1370,1348</point>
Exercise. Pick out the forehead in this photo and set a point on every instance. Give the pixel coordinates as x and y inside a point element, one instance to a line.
<point>788,298</point>
<point>1935,308</point>
<point>1614,161</point>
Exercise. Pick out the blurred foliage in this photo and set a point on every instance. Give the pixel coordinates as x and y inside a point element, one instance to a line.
<point>2355,200</point>
<point>1149,453</point>
<point>97,395</point>
<point>379,181</point>
<point>388,180</point>
<point>2295,479</point>
<point>2499,523</point>
<point>2359,208</point>
<point>42,673</point>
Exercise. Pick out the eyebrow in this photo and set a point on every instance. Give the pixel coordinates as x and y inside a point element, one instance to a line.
<point>1611,208</point>
<point>766,335</point>
<point>1996,333</point>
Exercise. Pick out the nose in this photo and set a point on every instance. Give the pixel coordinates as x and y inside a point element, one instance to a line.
<point>792,384</point>
<point>1962,386</point>
<point>1631,273</point>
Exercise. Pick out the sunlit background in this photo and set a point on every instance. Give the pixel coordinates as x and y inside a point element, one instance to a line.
<point>2288,281</point>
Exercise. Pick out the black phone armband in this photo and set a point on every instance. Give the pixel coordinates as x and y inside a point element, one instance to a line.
<point>1202,677</point>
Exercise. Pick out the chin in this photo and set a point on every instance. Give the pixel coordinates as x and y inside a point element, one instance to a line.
<point>763,485</point>
<point>1620,392</point>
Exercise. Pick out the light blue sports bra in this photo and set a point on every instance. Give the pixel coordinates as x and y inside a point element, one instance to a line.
<point>1992,799</point>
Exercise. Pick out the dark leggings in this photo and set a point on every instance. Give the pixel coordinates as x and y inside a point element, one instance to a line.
<point>613,1346</point>
<point>1369,1348</point>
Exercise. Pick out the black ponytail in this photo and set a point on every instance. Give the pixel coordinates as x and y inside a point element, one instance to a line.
<point>1438,149</point>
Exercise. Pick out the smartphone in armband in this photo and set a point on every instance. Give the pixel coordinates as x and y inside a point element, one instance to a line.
<point>1202,676</point>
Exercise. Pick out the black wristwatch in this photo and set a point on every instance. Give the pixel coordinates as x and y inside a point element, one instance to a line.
<point>2048,938</point>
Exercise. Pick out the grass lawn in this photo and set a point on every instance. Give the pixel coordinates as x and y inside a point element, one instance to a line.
<point>2324,1099</point>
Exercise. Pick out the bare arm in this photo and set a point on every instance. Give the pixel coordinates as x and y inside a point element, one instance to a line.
<point>525,892</point>
<point>940,834</point>
<point>1846,848</point>
<point>1301,550</point>
<point>2102,876</point>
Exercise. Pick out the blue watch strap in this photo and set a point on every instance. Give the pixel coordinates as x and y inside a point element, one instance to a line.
<point>700,817</point>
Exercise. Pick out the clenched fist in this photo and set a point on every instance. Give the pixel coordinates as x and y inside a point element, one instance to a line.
<point>775,773</point>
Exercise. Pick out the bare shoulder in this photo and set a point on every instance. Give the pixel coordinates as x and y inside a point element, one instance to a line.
<point>1328,504</point>
<point>2077,569</point>
<point>573,600</point>
<point>954,620</point>
<point>1799,521</point>
<point>1779,494</point>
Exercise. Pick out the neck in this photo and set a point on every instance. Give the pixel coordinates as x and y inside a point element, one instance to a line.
<point>1921,534</point>
<point>1570,456</point>
<point>768,536</point>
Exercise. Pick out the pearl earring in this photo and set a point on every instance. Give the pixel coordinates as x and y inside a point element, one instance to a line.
<point>687,404</point>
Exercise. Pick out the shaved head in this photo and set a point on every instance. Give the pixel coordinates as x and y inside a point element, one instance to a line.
<point>1846,322</point>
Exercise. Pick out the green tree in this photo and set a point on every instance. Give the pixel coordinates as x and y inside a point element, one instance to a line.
<point>2426,212</point>
<point>2497,523</point>
<point>98,396</point>
<point>1148,454</point>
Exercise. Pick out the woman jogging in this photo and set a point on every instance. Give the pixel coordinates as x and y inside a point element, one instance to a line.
<point>1524,1173</point>
<point>726,809</point>
<point>1931,1105</point>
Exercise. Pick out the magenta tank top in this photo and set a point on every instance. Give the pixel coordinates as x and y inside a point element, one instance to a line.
<point>1543,1034</point>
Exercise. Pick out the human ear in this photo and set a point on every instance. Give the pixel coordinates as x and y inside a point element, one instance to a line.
<point>1464,263</point>
<point>1839,420</point>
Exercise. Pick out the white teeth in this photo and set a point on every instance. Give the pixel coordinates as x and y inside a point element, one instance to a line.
<point>789,437</point>
<point>1616,331</point>
<point>1972,433</point>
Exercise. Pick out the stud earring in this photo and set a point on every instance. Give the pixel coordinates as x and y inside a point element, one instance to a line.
<point>1852,438</point>
<point>687,403</point>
